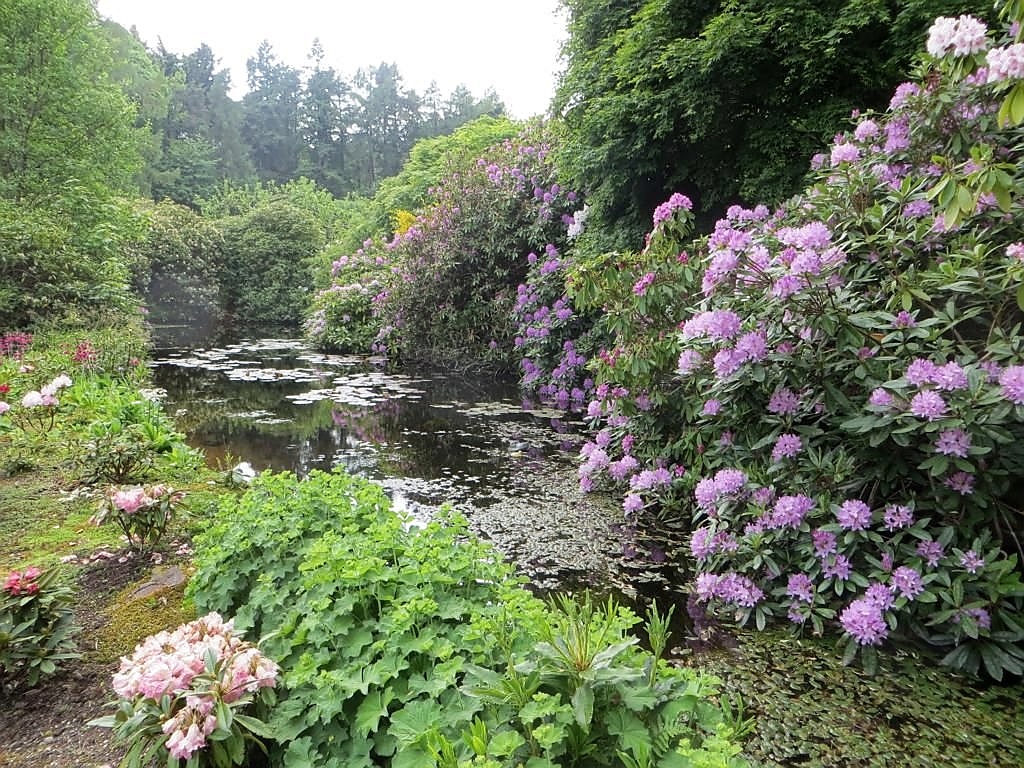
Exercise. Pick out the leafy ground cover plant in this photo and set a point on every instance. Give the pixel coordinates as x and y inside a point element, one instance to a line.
<point>187,695</point>
<point>376,623</point>
<point>831,394</point>
<point>37,629</point>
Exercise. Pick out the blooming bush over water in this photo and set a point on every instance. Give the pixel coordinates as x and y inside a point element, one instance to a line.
<point>183,694</point>
<point>850,375</point>
<point>444,287</point>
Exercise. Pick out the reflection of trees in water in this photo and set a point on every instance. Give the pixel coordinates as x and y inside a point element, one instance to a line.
<point>425,436</point>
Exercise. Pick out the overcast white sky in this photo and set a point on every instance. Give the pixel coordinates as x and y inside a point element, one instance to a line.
<point>510,46</point>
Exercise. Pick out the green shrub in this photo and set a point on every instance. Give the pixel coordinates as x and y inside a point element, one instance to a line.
<point>177,266</point>
<point>266,273</point>
<point>376,623</point>
<point>36,626</point>
<point>63,254</point>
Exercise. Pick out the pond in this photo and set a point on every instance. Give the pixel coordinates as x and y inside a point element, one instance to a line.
<point>428,437</point>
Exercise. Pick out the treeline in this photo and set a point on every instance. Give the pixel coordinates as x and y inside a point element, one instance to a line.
<point>92,124</point>
<point>346,134</point>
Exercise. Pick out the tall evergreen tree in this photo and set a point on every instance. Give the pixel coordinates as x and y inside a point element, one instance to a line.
<point>271,121</point>
<point>325,113</point>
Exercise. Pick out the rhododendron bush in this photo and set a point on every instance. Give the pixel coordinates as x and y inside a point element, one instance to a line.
<point>831,395</point>
<point>444,287</point>
<point>183,694</point>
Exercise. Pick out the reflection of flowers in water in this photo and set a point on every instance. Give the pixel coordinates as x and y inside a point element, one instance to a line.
<point>368,424</point>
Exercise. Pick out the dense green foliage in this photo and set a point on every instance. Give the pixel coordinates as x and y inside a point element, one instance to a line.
<point>722,100</point>
<point>377,622</point>
<point>265,275</point>
<point>62,118</point>
<point>64,253</point>
<point>177,266</point>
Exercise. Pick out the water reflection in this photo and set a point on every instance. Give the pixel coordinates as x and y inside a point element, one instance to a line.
<point>434,437</point>
<point>428,438</point>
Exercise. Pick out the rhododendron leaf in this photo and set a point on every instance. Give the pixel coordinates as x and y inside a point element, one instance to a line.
<point>1020,297</point>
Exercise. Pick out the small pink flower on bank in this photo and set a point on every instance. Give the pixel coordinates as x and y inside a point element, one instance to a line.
<point>32,399</point>
<point>4,407</point>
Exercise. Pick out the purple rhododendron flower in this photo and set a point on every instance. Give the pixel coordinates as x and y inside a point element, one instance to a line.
<point>1011,380</point>
<point>729,481</point>
<point>880,397</point>
<point>689,361</point>
<point>801,587</point>
<point>953,442</point>
<point>783,401</point>
<point>907,582</point>
<point>711,407</point>
<point>824,542</point>
<point>980,616</point>
<point>863,620</point>
<point>961,482</point>
<point>632,503</point>
<point>897,516</point>
<point>880,594</point>
<point>790,511</point>
<point>920,371</point>
<point>928,404</point>
<point>854,515</point>
<point>838,568</point>
<point>702,544</point>
<point>971,561</point>
<point>641,286</point>
<point>904,320</point>
<point>705,493</point>
<point>950,377</point>
<point>845,153</point>
<point>931,551</point>
<point>786,446</point>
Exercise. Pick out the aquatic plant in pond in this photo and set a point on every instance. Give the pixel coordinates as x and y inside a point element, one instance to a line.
<point>841,380</point>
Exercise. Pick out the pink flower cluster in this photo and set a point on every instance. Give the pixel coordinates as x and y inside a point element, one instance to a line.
<point>166,664</point>
<point>132,500</point>
<point>962,36</point>
<point>46,396</point>
<point>664,211</point>
<point>1005,63</point>
<point>22,582</point>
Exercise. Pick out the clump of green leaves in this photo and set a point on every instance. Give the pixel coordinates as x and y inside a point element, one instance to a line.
<point>36,626</point>
<point>378,625</point>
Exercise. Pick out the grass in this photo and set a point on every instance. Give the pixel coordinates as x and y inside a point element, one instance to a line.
<point>40,521</point>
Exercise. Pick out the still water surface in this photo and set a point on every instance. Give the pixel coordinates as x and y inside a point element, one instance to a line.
<point>427,436</point>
